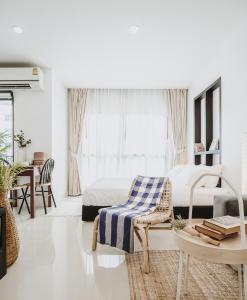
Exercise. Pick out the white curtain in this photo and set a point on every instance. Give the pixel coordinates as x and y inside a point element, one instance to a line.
<point>125,134</point>
<point>176,102</point>
<point>77,105</point>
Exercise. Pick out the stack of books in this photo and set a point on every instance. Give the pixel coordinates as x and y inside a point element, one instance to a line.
<point>221,227</point>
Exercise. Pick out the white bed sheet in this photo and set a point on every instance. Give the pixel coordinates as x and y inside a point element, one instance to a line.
<point>109,192</point>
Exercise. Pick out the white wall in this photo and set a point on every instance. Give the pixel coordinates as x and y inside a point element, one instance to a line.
<point>32,114</point>
<point>232,67</point>
<point>59,138</point>
<point>42,116</point>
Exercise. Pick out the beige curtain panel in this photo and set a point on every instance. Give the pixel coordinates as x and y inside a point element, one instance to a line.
<point>77,106</point>
<point>176,101</point>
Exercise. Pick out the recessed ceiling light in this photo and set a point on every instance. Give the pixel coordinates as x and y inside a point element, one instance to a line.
<point>133,29</point>
<point>17,29</point>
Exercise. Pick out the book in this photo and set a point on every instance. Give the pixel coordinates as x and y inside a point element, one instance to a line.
<point>212,232</point>
<point>225,224</point>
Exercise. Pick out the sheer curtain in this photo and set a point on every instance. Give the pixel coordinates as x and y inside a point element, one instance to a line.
<point>77,106</point>
<point>125,134</point>
<point>176,103</point>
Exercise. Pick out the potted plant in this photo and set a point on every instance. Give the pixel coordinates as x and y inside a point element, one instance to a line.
<point>22,144</point>
<point>8,176</point>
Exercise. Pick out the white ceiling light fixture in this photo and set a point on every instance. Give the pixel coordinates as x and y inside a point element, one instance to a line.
<point>17,29</point>
<point>134,29</point>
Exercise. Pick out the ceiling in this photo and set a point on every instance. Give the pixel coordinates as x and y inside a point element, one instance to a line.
<point>87,43</point>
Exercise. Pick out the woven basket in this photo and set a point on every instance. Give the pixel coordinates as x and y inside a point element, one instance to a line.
<point>12,243</point>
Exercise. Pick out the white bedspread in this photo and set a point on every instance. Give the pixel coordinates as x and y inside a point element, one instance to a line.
<point>108,192</point>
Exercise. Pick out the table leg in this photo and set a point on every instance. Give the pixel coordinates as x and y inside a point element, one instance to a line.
<point>15,194</point>
<point>32,189</point>
<point>240,280</point>
<point>180,274</point>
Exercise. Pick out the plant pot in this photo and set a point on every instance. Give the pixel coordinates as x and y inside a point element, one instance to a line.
<point>12,238</point>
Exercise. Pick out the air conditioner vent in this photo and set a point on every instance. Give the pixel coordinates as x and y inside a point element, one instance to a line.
<point>15,86</point>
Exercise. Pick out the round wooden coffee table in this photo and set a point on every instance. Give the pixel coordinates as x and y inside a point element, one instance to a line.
<point>231,251</point>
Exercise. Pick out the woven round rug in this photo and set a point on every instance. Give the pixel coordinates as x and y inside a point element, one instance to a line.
<point>206,280</point>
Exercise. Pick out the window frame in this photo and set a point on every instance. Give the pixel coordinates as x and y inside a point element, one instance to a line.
<point>13,114</point>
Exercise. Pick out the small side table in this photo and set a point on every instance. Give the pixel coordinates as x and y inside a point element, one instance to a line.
<point>231,251</point>
<point>3,266</point>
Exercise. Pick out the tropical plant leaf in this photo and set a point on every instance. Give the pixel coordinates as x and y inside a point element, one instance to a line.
<point>8,175</point>
<point>4,142</point>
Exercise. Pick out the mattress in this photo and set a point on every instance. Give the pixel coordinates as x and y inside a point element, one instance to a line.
<point>109,192</point>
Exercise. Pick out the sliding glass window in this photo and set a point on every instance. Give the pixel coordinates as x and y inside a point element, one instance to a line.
<point>7,121</point>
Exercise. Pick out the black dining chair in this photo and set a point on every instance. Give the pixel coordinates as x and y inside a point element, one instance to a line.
<point>13,196</point>
<point>45,182</point>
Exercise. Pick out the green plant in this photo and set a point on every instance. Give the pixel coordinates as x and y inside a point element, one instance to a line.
<point>8,175</point>
<point>4,142</point>
<point>178,223</point>
<point>19,138</point>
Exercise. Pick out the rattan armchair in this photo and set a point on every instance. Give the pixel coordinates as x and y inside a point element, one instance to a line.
<point>163,215</point>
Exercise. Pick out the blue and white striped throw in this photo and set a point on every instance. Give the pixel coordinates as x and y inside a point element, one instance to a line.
<point>116,223</point>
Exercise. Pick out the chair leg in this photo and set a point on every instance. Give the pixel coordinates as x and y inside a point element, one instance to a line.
<point>21,206</point>
<point>144,243</point>
<point>53,199</point>
<point>24,195</point>
<point>146,232</point>
<point>43,195</point>
<point>95,233</point>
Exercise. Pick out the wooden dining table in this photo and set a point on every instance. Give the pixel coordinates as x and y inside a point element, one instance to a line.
<point>31,172</point>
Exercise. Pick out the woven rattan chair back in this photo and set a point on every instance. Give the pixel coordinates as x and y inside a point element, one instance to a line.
<point>165,204</point>
<point>45,175</point>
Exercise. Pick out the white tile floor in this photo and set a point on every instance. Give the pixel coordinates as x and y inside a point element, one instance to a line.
<point>56,262</point>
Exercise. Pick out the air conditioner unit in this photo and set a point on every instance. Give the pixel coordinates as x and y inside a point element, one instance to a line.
<point>21,79</point>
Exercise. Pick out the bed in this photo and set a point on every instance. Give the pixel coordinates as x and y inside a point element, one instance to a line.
<point>114,191</point>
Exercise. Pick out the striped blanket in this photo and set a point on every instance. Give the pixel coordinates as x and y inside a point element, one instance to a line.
<point>116,223</point>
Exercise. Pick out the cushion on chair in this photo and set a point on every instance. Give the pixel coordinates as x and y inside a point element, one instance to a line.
<point>156,217</point>
<point>19,187</point>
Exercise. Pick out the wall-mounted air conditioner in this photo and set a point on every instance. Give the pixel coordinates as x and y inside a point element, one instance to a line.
<point>21,79</point>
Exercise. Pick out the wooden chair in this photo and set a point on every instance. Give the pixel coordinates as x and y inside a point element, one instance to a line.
<point>13,196</point>
<point>163,216</point>
<point>45,182</point>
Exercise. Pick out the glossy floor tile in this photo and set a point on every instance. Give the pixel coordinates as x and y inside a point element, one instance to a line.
<point>56,262</point>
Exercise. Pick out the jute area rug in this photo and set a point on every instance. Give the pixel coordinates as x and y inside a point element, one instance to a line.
<point>206,280</point>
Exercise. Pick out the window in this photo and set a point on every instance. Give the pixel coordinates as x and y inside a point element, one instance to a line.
<point>124,134</point>
<point>6,119</point>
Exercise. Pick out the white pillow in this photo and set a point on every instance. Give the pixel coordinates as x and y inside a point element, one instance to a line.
<point>184,176</point>
<point>190,174</point>
<point>175,171</point>
<point>210,181</point>
<point>187,174</point>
